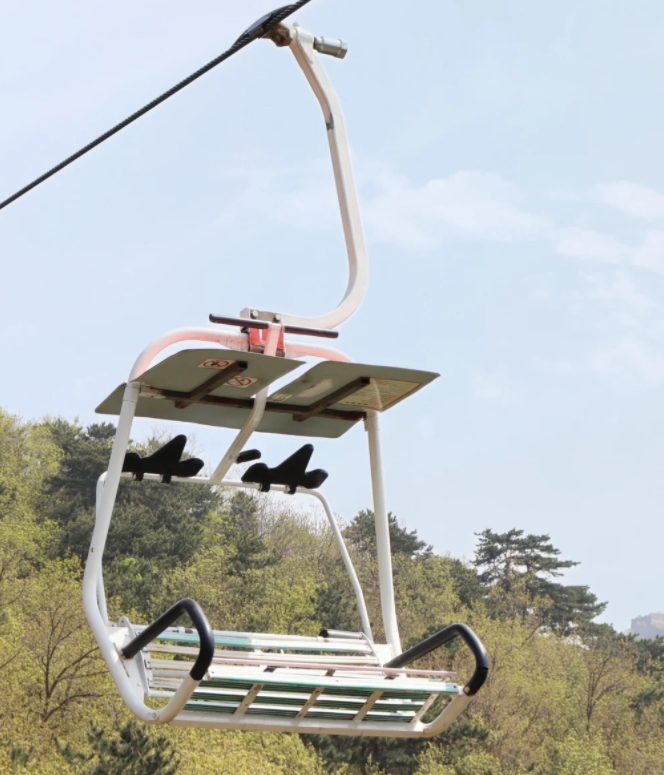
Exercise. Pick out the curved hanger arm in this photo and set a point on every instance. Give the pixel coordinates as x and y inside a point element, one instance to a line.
<point>302,46</point>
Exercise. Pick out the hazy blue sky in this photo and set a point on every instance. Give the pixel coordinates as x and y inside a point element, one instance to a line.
<point>509,157</point>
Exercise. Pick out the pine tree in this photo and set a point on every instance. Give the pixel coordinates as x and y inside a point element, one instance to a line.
<point>361,536</point>
<point>130,750</point>
<point>518,564</point>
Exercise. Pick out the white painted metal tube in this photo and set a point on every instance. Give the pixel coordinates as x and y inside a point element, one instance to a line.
<point>350,568</point>
<point>302,46</point>
<point>256,415</point>
<point>230,339</point>
<point>388,607</point>
<point>341,544</point>
<point>445,719</point>
<point>107,487</point>
<point>178,701</point>
<point>202,720</point>
<point>93,564</point>
<point>298,350</point>
<point>101,592</point>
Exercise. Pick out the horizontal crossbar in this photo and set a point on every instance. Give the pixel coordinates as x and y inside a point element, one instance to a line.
<point>341,646</point>
<point>248,403</point>
<point>272,660</point>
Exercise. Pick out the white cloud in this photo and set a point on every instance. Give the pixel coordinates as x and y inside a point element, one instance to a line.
<point>591,245</point>
<point>479,205</point>
<point>622,290</point>
<point>650,253</point>
<point>476,204</point>
<point>633,199</point>
<point>632,359</point>
<point>286,196</point>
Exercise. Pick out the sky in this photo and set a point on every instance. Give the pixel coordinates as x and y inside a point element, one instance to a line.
<point>509,165</point>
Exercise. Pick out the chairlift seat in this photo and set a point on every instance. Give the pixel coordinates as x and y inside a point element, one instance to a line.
<point>310,684</point>
<point>335,684</point>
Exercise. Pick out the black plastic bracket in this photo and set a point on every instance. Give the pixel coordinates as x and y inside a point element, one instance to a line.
<point>199,619</point>
<point>439,639</point>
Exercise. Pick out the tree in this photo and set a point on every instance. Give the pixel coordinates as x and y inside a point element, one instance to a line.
<point>27,457</point>
<point>361,536</point>
<point>523,567</point>
<point>239,528</point>
<point>154,526</point>
<point>131,750</point>
<point>65,670</point>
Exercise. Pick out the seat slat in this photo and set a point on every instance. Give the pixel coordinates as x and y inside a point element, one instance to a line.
<point>333,684</point>
<point>284,710</point>
<point>361,660</point>
<point>321,646</point>
<point>300,699</point>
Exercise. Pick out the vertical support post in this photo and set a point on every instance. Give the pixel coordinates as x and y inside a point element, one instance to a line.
<point>108,493</point>
<point>92,573</point>
<point>101,592</point>
<point>372,426</point>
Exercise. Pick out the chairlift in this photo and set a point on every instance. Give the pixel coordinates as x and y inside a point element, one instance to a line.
<point>336,683</point>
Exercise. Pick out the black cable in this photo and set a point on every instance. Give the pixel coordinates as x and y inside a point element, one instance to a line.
<point>257,30</point>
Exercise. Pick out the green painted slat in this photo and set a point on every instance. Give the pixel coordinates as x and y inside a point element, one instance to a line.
<point>369,717</point>
<point>345,685</point>
<point>340,705</point>
<point>227,685</point>
<point>322,701</point>
<point>399,719</point>
<point>272,712</point>
<point>249,645</point>
<point>322,713</point>
<point>208,707</point>
<point>297,688</point>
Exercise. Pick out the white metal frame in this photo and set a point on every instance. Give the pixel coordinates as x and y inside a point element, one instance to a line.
<point>127,673</point>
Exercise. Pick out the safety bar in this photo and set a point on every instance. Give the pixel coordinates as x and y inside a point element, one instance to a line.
<point>199,619</point>
<point>439,639</point>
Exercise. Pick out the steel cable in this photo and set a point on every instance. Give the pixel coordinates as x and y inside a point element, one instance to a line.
<point>257,30</point>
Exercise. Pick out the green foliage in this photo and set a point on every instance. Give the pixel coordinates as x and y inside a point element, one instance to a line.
<point>579,756</point>
<point>565,696</point>
<point>361,537</point>
<point>130,750</point>
<point>154,526</point>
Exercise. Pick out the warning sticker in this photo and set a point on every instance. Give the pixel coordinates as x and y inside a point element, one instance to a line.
<point>240,382</point>
<point>380,394</point>
<point>280,397</point>
<point>214,363</point>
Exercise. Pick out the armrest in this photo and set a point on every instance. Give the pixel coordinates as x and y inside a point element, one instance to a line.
<point>200,622</point>
<point>439,639</point>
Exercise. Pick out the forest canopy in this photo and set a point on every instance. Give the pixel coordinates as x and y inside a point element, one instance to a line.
<point>566,696</point>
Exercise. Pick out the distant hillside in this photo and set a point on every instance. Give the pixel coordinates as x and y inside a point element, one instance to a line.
<point>649,626</point>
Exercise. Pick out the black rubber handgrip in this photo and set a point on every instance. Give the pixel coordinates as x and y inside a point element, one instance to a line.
<point>444,636</point>
<point>341,634</point>
<point>247,455</point>
<point>199,619</point>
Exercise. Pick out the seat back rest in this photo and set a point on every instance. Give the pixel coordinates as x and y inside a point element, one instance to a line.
<point>292,473</point>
